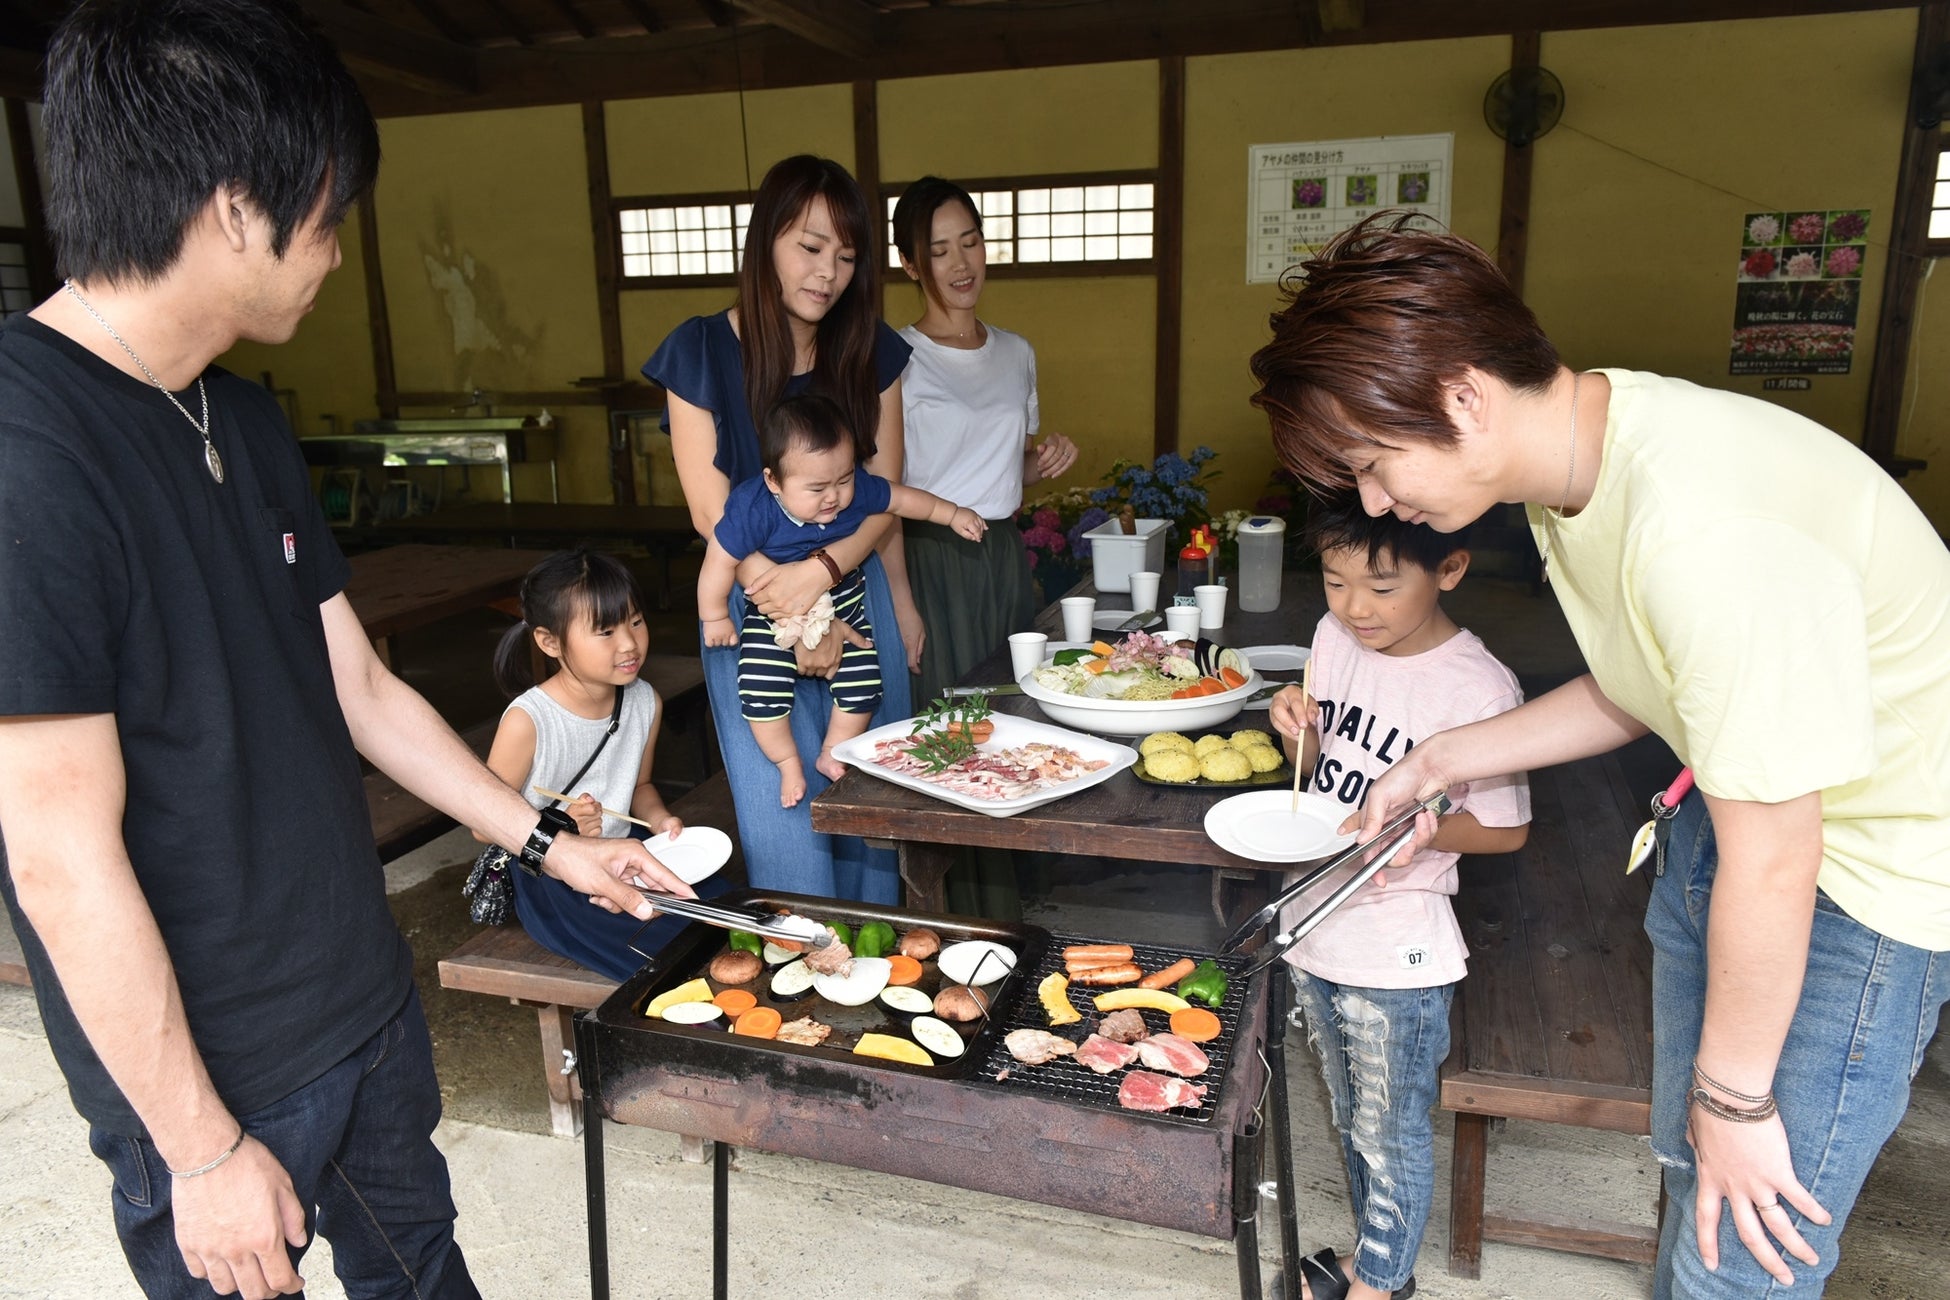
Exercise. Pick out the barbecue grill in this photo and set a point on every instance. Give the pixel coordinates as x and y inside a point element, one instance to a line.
<point>1051,1133</point>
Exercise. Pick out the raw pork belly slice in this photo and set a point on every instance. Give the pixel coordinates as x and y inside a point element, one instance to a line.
<point>1034,1046</point>
<point>1170,1052</point>
<point>1126,1026</point>
<point>1142,1090</point>
<point>1103,1055</point>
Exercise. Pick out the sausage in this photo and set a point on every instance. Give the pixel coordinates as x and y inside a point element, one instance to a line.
<point>1119,951</point>
<point>1123,974</point>
<point>1170,975</point>
<point>1076,964</point>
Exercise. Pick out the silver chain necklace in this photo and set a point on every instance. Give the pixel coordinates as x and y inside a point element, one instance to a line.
<point>210,457</point>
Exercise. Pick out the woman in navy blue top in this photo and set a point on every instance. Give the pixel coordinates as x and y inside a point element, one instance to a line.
<point>805,320</point>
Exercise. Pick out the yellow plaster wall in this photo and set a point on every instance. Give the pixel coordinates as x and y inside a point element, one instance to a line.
<point>328,362</point>
<point>692,143</point>
<point>1236,101</point>
<point>1923,431</point>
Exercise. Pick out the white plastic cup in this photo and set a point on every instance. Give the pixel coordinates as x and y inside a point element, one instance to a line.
<point>1182,622</point>
<point>1211,599</point>
<point>1144,592</point>
<point>1078,615</point>
<point>1027,650</point>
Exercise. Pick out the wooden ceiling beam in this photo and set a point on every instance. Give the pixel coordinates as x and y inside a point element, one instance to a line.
<point>644,16</point>
<point>417,62</point>
<point>845,27</point>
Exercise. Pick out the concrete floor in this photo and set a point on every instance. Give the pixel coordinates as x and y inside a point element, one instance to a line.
<point>822,1231</point>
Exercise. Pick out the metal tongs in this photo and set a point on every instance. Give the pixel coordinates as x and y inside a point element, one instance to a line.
<point>1398,834</point>
<point>770,925</point>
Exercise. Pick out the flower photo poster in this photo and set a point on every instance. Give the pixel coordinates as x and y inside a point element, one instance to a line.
<point>1302,195</point>
<point>1799,283</point>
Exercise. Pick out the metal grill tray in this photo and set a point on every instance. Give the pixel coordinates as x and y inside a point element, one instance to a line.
<point>686,956</point>
<point>1066,1080</point>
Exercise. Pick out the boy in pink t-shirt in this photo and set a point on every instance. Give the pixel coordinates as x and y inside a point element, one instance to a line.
<point>1376,978</point>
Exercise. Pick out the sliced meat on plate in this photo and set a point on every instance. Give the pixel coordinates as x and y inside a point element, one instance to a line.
<point>1142,1090</point>
<point>1104,1055</point>
<point>1170,1052</point>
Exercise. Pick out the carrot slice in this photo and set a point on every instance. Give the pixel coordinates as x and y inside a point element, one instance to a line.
<point>1232,677</point>
<point>905,970</point>
<point>1195,1023</point>
<point>735,1002</point>
<point>1100,648</point>
<point>759,1022</point>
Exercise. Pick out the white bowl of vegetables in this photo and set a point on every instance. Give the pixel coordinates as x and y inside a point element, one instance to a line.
<point>1128,689</point>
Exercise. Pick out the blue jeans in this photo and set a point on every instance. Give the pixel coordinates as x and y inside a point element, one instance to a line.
<point>782,851</point>
<point>1869,1007</point>
<point>358,1144</point>
<point>1381,1052</point>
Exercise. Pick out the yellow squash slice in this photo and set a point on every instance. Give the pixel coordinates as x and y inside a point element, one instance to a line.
<point>889,1048</point>
<point>696,990</point>
<point>1145,999</point>
<point>1055,994</point>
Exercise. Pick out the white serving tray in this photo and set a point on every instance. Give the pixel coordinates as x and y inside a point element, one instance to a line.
<point>1010,731</point>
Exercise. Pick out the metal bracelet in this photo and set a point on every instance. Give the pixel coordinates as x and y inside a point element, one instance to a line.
<point>1719,1087</point>
<point>1713,1106</point>
<point>204,1169</point>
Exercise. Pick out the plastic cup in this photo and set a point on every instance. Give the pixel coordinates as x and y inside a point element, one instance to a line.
<point>1211,605</point>
<point>1078,613</point>
<point>1027,650</point>
<point>1182,622</point>
<point>1144,592</point>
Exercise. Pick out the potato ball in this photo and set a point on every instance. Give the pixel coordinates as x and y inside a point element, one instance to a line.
<point>1209,745</point>
<point>1241,739</point>
<point>1173,765</point>
<point>1264,758</point>
<point>1163,740</point>
<point>1225,764</point>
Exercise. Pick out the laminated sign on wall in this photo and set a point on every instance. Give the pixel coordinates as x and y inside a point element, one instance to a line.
<point>1799,283</point>
<point>1302,195</point>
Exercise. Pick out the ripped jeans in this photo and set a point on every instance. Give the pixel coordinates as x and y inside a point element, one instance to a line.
<point>1381,1052</point>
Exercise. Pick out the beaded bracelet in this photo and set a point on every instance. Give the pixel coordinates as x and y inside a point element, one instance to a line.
<point>204,1169</point>
<point>1762,1107</point>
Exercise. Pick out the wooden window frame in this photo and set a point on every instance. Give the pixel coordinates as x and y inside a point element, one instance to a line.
<point>719,279</point>
<point>1013,270</point>
<point>1939,185</point>
<point>21,236</point>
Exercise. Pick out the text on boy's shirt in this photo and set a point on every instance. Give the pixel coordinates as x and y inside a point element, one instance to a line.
<point>1358,727</point>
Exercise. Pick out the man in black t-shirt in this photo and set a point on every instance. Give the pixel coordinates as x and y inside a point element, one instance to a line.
<point>185,692</point>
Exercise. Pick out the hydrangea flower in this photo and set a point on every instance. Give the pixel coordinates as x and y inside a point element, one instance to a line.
<point>1844,261</point>
<point>1309,194</point>
<point>1849,225</point>
<point>1758,265</point>
<point>1802,266</point>
<point>1764,229</point>
<point>1806,228</point>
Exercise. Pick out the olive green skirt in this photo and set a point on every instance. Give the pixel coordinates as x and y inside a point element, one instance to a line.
<point>971,595</point>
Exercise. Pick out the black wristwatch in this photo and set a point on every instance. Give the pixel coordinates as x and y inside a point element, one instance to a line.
<point>554,822</point>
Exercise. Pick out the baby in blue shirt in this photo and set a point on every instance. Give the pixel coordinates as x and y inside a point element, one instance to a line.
<point>811,494</point>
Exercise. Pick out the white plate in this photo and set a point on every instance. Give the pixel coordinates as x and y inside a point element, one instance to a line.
<point>1263,826</point>
<point>1274,659</point>
<point>1107,620</point>
<point>1010,731</point>
<point>696,853</point>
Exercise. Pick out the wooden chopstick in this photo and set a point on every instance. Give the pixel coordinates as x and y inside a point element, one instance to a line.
<point>565,798</point>
<point>1306,689</point>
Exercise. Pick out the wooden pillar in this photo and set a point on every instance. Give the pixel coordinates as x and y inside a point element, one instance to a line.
<point>1908,229</point>
<point>1168,249</point>
<point>1513,222</point>
<point>609,306</point>
<point>40,252</point>
<point>380,323</point>
<point>866,170</point>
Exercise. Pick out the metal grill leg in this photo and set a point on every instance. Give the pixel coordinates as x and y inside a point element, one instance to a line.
<point>596,1195</point>
<point>720,1219</point>
<point>1279,1130</point>
<point>1246,1151</point>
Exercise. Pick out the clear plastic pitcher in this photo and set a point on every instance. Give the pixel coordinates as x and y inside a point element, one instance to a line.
<point>1262,543</point>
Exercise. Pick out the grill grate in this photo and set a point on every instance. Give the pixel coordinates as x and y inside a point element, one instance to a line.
<point>1066,1080</point>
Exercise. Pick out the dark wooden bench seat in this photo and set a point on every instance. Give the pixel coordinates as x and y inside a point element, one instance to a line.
<point>503,961</point>
<point>1554,1022</point>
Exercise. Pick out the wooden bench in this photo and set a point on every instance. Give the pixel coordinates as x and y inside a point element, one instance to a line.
<point>503,961</point>
<point>1554,1022</point>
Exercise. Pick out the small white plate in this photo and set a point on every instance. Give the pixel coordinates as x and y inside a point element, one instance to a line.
<point>1107,620</point>
<point>1274,659</point>
<point>696,853</point>
<point>1263,826</point>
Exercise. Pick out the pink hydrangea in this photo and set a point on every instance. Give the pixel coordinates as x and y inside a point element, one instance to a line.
<point>1844,261</point>
<point>1806,228</point>
<point>1764,229</point>
<point>1048,519</point>
<point>1802,266</point>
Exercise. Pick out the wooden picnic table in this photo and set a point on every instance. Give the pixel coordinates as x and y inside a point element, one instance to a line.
<point>1121,818</point>
<point>405,587</point>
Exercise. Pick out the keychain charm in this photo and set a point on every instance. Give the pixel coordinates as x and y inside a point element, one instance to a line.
<point>1651,839</point>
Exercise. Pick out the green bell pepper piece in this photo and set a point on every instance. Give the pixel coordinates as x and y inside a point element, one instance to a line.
<point>875,939</point>
<point>842,933</point>
<point>746,941</point>
<point>1064,658</point>
<point>1207,984</point>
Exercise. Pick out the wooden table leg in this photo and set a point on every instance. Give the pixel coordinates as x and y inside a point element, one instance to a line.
<point>924,872</point>
<point>558,1031</point>
<point>1466,1195</point>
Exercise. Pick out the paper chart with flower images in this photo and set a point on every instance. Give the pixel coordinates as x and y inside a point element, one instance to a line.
<point>1302,195</point>
<point>1799,285</point>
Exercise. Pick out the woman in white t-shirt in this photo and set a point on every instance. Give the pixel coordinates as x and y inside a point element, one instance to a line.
<point>968,400</point>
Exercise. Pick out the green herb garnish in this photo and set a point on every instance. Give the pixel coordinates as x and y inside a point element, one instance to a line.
<point>938,749</point>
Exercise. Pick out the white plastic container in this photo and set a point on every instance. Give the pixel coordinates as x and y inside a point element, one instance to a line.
<point>1262,545</point>
<point>1115,555</point>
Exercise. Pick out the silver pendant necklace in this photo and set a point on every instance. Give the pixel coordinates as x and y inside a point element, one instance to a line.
<point>210,458</point>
